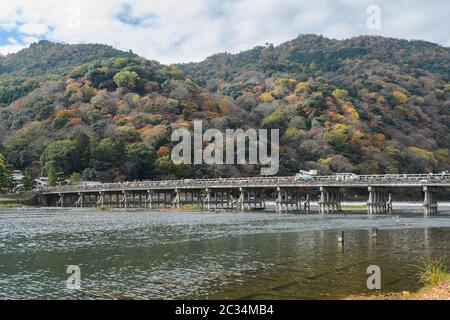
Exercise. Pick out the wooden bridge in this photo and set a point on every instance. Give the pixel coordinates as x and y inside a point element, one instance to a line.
<point>287,193</point>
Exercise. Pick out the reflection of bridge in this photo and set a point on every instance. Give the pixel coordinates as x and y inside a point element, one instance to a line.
<point>288,193</point>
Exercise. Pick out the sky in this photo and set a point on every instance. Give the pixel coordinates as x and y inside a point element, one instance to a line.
<point>174,31</point>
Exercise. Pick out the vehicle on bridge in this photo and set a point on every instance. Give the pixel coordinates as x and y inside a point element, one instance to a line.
<point>304,175</point>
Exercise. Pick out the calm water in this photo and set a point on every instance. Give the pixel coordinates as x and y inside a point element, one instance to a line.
<point>167,255</point>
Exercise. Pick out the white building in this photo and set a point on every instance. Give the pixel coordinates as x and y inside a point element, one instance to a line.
<point>41,182</point>
<point>17,176</point>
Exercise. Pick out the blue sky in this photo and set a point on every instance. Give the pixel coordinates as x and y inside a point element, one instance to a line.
<point>180,31</point>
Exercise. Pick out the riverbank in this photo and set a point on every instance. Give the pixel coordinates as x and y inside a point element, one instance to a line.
<point>9,205</point>
<point>439,291</point>
<point>15,200</point>
<point>433,275</point>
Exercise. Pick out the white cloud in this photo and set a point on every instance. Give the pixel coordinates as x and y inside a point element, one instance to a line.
<point>9,48</point>
<point>179,31</point>
<point>29,40</point>
<point>36,29</point>
<point>7,25</point>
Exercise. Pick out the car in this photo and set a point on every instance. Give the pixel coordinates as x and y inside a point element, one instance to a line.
<point>303,177</point>
<point>308,172</point>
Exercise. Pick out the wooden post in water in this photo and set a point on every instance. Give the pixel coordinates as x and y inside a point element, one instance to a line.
<point>278,200</point>
<point>430,201</point>
<point>374,233</point>
<point>340,237</point>
<point>241,199</point>
<point>341,241</point>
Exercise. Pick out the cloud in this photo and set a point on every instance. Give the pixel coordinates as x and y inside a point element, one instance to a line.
<point>8,48</point>
<point>36,29</point>
<point>179,31</point>
<point>29,40</point>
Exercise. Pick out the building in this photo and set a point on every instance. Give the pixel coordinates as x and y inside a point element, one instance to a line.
<point>17,176</point>
<point>41,182</point>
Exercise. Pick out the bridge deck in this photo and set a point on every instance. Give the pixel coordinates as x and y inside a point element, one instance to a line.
<point>362,181</point>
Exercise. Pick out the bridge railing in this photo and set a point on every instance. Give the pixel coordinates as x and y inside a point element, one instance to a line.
<point>255,181</point>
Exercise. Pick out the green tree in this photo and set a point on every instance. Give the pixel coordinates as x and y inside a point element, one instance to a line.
<point>75,178</point>
<point>89,174</point>
<point>107,154</point>
<point>54,177</point>
<point>51,175</point>
<point>82,144</point>
<point>140,159</point>
<point>63,156</point>
<point>275,120</point>
<point>27,179</point>
<point>400,97</point>
<point>164,166</point>
<point>126,79</point>
<point>6,181</point>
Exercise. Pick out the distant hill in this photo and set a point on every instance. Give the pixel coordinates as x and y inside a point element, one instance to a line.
<point>24,71</point>
<point>49,57</point>
<point>366,105</point>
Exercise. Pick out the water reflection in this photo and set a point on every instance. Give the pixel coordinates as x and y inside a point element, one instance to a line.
<point>204,256</point>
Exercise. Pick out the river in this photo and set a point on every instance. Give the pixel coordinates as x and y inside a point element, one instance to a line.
<point>189,255</point>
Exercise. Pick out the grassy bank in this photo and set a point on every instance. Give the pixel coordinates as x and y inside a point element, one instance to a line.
<point>10,205</point>
<point>187,207</point>
<point>433,277</point>
<point>354,207</point>
<point>14,200</point>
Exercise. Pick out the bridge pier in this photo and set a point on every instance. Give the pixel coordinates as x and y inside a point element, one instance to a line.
<point>215,199</point>
<point>307,204</point>
<point>80,201</point>
<point>430,204</point>
<point>263,200</point>
<point>61,200</point>
<point>100,200</point>
<point>67,200</point>
<point>186,197</point>
<point>124,200</point>
<point>278,201</point>
<point>330,200</point>
<point>241,199</point>
<point>208,199</point>
<point>288,200</point>
<point>248,199</point>
<point>176,200</point>
<point>149,200</point>
<point>377,203</point>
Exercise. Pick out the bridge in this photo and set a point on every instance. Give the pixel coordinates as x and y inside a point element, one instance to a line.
<point>289,194</point>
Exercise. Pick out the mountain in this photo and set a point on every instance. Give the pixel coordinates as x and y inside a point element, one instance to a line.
<point>366,105</point>
<point>22,72</point>
<point>99,112</point>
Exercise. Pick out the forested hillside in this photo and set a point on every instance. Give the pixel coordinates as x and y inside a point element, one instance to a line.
<point>28,69</point>
<point>366,105</point>
<point>109,119</point>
